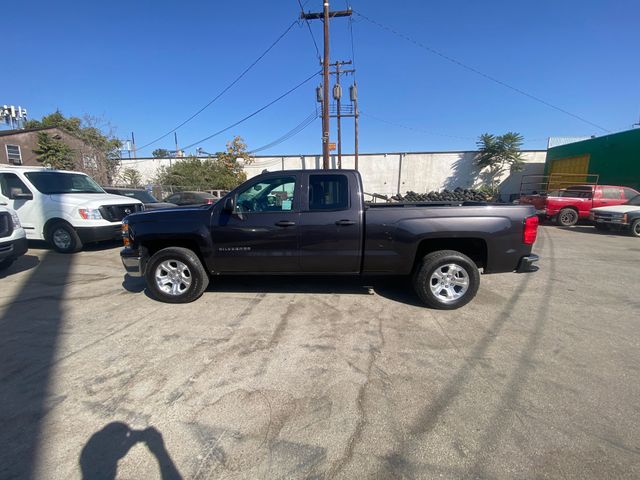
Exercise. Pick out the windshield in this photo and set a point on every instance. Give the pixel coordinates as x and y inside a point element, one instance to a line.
<point>142,195</point>
<point>57,182</point>
<point>635,201</point>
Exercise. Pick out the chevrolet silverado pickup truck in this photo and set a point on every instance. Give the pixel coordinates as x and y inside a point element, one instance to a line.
<point>316,222</point>
<point>571,204</point>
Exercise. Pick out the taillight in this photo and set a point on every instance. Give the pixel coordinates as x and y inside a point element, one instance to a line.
<point>210,201</point>
<point>530,230</point>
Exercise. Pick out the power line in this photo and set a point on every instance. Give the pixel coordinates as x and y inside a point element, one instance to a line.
<point>310,32</point>
<point>244,72</point>
<point>252,114</point>
<point>478,72</point>
<point>413,128</point>
<point>353,54</point>
<point>290,134</point>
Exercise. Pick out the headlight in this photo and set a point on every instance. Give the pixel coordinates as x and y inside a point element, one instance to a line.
<point>16,220</point>
<point>90,213</point>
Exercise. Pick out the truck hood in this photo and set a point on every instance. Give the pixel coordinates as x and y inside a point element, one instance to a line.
<point>91,200</point>
<point>168,214</point>
<point>617,209</point>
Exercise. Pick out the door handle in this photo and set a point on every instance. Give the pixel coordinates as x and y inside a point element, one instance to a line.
<point>345,222</point>
<point>285,223</point>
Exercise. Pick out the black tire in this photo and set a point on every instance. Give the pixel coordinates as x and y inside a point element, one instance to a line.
<point>6,263</point>
<point>424,276</point>
<point>635,228</point>
<point>603,227</point>
<point>567,217</point>
<point>179,265</point>
<point>63,238</point>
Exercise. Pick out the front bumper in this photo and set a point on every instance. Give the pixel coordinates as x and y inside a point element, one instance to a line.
<point>13,248</point>
<point>134,262</point>
<point>99,234</point>
<point>526,264</point>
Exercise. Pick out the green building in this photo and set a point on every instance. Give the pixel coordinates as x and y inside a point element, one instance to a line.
<point>610,160</point>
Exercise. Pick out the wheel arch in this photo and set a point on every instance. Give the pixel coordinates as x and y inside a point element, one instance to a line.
<point>473,247</point>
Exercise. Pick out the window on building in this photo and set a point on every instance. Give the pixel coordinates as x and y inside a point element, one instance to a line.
<point>328,192</point>
<point>14,155</point>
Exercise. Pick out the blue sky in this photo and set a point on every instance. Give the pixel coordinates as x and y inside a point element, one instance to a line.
<point>146,66</point>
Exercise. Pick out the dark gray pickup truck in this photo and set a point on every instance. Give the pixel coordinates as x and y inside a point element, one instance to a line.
<point>316,222</point>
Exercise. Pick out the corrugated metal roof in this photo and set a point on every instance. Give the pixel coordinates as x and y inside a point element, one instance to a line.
<point>557,141</point>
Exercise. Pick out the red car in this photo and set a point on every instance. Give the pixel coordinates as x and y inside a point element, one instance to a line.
<point>570,204</point>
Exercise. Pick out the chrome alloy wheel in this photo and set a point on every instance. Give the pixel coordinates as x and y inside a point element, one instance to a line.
<point>449,282</point>
<point>61,239</point>
<point>173,277</point>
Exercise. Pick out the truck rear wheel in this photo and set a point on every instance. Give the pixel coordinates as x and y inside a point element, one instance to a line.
<point>446,280</point>
<point>567,217</point>
<point>176,275</point>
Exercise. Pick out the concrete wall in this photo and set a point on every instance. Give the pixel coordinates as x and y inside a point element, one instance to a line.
<point>385,173</point>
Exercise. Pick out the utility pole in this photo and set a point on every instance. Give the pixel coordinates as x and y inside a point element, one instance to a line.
<point>325,15</point>
<point>175,137</point>
<point>133,145</point>
<point>354,98</point>
<point>337,95</point>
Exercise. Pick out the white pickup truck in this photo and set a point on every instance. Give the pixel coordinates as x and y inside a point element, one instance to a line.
<point>67,209</point>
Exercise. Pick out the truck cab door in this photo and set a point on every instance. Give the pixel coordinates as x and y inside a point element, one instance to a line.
<point>261,234</point>
<point>331,224</point>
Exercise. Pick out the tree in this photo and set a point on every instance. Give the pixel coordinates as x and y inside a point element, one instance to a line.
<point>223,171</point>
<point>160,153</point>
<point>498,154</point>
<point>54,153</point>
<point>100,146</point>
<point>131,177</point>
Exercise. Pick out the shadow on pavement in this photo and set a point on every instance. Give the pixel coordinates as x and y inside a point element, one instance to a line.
<point>22,264</point>
<point>99,457</point>
<point>89,247</point>
<point>398,289</point>
<point>30,325</point>
<point>593,231</point>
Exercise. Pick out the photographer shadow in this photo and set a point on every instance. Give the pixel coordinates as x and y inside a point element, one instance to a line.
<point>99,457</point>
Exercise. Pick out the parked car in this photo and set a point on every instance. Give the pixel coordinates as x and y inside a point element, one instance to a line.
<point>625,216</point>
<point>571,204</point>
<point>13,239</point>
<point>67,209</point>
<point>191,198</point>
<point>299,222</point>
<point>148,200</point>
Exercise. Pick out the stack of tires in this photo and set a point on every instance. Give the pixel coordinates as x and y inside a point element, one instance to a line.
<point>457,195</point>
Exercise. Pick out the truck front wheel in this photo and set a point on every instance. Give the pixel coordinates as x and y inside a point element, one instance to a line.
<point>176,275</point>
<point>635,228</point>
<point>63,238</point>
<point>446,280</point>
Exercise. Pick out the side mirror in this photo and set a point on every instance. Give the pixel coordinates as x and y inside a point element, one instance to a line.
<point>229,205</point>
<point>17,194</point>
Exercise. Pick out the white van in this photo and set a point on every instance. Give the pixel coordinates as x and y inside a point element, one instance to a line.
<point>13,240</point>
<point>67,209</point>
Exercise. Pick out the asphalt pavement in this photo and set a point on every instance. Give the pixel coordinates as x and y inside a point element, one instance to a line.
<point>287,378</point>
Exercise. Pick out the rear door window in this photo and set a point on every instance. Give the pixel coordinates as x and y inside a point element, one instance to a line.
<point>328,192</point>
<point>611,193</point>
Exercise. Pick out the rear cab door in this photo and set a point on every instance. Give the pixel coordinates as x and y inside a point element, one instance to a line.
<point>331,223</point>
<point>608,196</point>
